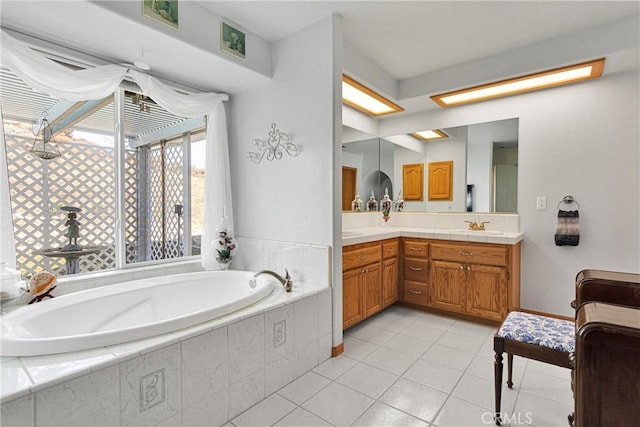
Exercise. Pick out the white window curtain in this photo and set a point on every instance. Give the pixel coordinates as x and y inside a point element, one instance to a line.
<point>7,247</point>
<point>49,77</point>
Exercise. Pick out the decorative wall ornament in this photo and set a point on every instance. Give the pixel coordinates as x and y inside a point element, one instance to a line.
<point>272,148</point>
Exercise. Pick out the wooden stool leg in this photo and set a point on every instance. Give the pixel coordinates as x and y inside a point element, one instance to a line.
<point>510,370</point>
<point>498,384</point>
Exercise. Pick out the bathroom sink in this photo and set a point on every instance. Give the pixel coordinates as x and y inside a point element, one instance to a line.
<point>481,232</point>
<point>347,233</point>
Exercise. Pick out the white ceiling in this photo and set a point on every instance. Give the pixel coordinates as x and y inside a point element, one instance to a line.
<point>411,38</point>
<point>406,40</point>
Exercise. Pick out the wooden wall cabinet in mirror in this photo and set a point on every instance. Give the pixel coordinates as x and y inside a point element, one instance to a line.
<point>349,179</point>
<point>440,180</point>
<point>413,182</point>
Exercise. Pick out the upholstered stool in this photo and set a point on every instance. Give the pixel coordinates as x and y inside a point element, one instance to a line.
<point>532,336</point>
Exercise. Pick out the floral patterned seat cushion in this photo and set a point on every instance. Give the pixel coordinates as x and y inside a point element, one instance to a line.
<point>548,332</point>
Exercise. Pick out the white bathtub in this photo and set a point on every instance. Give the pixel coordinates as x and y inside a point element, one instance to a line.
<point>127,311</point>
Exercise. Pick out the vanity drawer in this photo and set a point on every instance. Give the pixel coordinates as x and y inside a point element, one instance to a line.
<point>469,253</point>
<point>416,269</point>
<point>389,250</point>
<point>415,293</point>
<point>360,257</point>
<point>415,249</point>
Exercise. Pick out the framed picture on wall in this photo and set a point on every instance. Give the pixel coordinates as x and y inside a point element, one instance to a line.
<point>232,41</point>
<point>164,11</point>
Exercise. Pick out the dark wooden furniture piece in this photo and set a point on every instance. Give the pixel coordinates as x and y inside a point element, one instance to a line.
<point>606,379</point>
<point>536,337</point>
<point>607,286</point>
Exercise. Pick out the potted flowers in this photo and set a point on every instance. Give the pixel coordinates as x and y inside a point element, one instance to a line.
<point>226,249</point>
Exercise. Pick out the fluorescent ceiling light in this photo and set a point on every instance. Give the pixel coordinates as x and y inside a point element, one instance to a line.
<point>426,135</point>
<point>528,83</point>
<point>364,99</point>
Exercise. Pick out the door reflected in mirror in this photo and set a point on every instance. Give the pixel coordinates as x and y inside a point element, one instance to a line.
<point>484,168</point>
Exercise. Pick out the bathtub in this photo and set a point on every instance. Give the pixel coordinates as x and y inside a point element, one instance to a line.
<point>128,311</point>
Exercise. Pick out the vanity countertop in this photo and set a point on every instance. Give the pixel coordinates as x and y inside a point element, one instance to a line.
<point>370,234</point>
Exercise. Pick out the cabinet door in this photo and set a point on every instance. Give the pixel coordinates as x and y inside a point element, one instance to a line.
<point>487,291</point>
<point>389,281</point>
<point>352,311</point>
<point>372,288</point>
<point>441,180</point>
<point>413,182</point>
<point>448,285</point>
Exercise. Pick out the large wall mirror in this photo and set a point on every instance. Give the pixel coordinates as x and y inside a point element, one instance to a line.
<point>484,176</point>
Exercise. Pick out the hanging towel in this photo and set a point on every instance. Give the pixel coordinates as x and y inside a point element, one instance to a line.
<point>568,228</point>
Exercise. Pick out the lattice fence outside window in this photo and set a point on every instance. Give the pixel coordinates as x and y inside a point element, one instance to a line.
<point>83,177</point>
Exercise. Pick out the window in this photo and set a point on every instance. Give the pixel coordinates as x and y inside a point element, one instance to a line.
<point>155,182</point>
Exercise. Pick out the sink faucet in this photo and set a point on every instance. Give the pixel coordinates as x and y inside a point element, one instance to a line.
<point>476,226</point>
<point>286,280</point>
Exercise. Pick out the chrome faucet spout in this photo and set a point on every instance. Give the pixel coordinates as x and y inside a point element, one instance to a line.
<point>286,280</point>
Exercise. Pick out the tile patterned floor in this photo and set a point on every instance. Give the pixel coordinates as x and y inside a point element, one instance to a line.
<point>404,367</point>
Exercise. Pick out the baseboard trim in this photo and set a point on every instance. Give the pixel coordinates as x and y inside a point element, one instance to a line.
<point>337,350</point>
<point>542,313</point>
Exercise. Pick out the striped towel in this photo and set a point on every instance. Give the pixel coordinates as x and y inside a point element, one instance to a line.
<point>568,228</point>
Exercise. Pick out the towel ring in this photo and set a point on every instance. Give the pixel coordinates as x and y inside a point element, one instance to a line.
<point>568,200</point>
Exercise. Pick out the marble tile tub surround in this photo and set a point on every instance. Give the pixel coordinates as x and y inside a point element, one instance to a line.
<point>307,263</point>
<point>204,375</point>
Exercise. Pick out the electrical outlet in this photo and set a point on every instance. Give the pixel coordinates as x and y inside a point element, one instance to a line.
<point>541,203</point>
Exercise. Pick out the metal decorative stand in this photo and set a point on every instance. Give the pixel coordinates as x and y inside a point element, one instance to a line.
<point>72,251</point>
<point>272,148</point>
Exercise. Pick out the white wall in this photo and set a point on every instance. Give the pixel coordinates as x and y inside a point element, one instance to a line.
<point>580,140</point>
<point>295,199</point>
<point>278,200</point>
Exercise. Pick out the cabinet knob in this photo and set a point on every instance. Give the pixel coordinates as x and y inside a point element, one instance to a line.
<point>464,253</point>
<point>461,267</point>
<point>415,249</point>
<point>411,291</point>
<point>415,268</point>
<point>362,256</point>
<point>468,267</point>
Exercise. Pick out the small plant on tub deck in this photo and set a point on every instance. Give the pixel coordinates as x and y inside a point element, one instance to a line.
<point>226,247</point>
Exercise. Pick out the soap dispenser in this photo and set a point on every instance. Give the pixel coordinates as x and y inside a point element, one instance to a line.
<point>372,204</point>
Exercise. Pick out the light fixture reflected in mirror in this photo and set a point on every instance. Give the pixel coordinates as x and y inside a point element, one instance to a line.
<point>428,135</point>
<point>44,145</point>
<point>529,83</point>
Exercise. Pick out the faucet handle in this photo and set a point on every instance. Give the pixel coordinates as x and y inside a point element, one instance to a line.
<point>483,223</point>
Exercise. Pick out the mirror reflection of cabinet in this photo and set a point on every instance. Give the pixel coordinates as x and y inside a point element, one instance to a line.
<point>441,180</point>
<point>413,181</point>
<point>349,179</point>
<point>485,155</point>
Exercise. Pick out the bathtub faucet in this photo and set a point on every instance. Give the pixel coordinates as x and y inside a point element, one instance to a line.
<point>286,280</point>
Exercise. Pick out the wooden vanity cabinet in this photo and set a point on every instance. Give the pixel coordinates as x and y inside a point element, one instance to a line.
<point>390,273</point>
<point>369,279</point>
<point>415,271</point>
<point>475,279</point>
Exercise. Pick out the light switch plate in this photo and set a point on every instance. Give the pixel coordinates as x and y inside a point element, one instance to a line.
<point>541,203</point>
